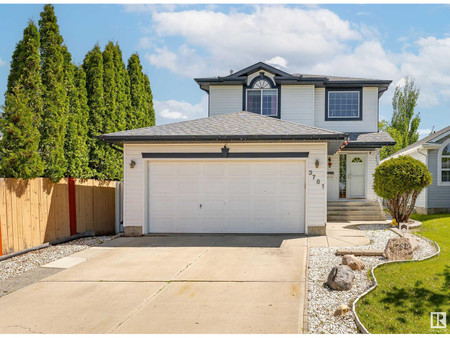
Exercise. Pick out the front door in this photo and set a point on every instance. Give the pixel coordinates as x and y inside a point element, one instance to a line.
<point>356,176</point>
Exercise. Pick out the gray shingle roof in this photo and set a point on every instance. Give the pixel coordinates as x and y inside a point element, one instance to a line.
<point>240,126</point>
<point>427,139</point>
<point>380,138</point>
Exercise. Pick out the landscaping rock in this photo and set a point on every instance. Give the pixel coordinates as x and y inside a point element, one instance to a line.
<point>399,248</point>
<point>353,262</point>
<point>341,278</point>
<point>414,243</point>
<point>341,310</point>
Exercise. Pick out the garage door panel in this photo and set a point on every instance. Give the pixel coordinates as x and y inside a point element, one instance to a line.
<point>239,207</point>
<point>212,185</point>
<point>188,186</point>
<point>240,169</point>
<point>235,196</point>
<point>188,169</point>
<point>265,207</point>
<point>163,206</point>
<point>240,186</point>
<point>265,186</point>
<point>291,169</point>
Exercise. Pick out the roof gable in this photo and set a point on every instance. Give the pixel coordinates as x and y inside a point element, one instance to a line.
<point>257,67</point>
<point>436,136</point>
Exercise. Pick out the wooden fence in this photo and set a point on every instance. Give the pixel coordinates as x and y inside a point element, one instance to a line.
<point>33,212</point>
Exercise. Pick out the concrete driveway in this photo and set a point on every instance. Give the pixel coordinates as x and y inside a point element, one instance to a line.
<point>169,284</point>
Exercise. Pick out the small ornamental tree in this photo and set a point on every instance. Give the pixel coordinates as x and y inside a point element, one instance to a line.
<point>399,181</point>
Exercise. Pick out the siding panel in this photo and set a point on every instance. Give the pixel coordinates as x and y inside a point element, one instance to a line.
<point>438,196</point>
<point>297,104</point>
<point>225,99</point>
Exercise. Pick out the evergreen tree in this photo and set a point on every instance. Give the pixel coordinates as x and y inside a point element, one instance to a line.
<point>113,159</point>
<point>122,90</point>
<point>22,111</point>
<point>54,119</point>
<point>135,114</point>
<point>141,113</point>
<point>93,67</point>
<point>20,143</point>
<point>75,147</point>
<point>149,111</point>
<point>83,122</point>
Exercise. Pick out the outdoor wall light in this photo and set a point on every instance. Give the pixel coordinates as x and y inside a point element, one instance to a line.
<point>132,163</point>
<point>317,163</point>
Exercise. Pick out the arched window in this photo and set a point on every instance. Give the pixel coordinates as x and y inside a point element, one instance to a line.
<point>444,164</point>
<point>357,160</point>
<point>262,98</point>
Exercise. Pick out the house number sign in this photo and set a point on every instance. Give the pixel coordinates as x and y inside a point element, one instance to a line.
<point>314,178</point>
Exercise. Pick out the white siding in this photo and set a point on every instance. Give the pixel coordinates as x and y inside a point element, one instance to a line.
<point>372,163</point>
<point>297,104</point>
<point>369,122</point>
<point>136,180</point>
<point>421,199</point>
<point>225,99</point>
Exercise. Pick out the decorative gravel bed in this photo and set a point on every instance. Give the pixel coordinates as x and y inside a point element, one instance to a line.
<point>323,301</point>
<point>17,265</point>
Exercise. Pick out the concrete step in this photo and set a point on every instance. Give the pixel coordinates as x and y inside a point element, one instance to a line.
<point>352,204</point>
<point>344,218</point>
<point>354,212</point>
<point>358,208</point>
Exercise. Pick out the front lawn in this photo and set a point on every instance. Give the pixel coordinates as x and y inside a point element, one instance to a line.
<point>408,292</point>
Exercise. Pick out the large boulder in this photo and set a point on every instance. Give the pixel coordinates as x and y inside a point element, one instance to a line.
<point>399,248</point>
<point>341,278</point>
<point>353,262</point>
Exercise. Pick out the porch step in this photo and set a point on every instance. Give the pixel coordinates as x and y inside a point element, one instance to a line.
<point>341,211</point>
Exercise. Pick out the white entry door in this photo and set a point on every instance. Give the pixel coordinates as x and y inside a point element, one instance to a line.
<point>356,176</point>
<point>226,196</point>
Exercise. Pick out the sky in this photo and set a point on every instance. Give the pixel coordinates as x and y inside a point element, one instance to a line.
<point>177,43</point>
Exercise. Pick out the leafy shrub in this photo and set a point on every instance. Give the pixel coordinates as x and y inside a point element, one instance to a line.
<point>399,181</point>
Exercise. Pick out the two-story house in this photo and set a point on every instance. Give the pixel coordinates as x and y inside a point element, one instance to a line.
<point>278,153</point>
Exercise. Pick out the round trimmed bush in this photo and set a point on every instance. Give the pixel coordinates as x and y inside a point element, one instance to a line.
<point>399,181</point>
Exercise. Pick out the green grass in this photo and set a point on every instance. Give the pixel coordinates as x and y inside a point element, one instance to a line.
<point>408,292</point>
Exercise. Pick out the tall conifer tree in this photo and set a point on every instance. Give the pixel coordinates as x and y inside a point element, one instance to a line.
<point>75,147</point>
<point>54,96</point>
<point>93,67</point>
<point>21,117</point>
<point>113,158</point>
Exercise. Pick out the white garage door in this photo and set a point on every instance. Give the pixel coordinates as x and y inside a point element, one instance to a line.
<point>227,196</point>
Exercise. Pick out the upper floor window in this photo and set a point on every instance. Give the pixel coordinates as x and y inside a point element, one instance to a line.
<point>343,104</point>
<point>444,168</point>
<point>262,99</point>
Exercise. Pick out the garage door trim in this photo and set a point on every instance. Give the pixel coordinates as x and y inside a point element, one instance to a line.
<point>227,154</point>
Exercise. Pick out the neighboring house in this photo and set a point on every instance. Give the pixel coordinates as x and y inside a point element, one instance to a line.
<point>434,151</point>
<point>277,151</point>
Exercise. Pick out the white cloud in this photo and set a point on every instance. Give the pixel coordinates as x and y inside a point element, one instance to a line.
<point>2,63</point>
<point>175,111</point>
<point>424,132</point>
<point>277,61</point>
<point>218,41</point>
<point>307,39</point>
